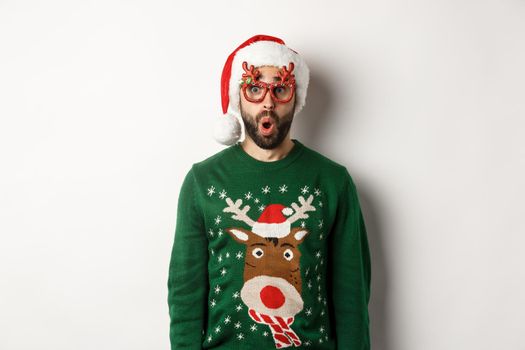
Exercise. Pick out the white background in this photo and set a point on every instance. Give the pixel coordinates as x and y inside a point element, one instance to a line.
<point>104,106</point>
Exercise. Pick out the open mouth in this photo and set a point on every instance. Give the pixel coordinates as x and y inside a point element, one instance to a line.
<point>266,126</point>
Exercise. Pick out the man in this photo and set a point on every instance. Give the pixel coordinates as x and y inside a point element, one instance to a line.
<point>270,247</point>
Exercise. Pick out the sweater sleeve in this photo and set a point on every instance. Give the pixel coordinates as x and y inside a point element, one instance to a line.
<point>188,275</point>
<point>351,271</point>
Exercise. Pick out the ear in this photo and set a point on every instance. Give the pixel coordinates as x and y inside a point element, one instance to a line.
<point>299,234</point>
<point>239,234</point>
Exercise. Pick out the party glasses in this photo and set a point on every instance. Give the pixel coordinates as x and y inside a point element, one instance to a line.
<point>255,90</point>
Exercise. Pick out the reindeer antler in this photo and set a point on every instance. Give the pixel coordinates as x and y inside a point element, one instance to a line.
<point>251,73</point>
<point>239,214</point>
<point>300,211</point>
<point>286,74</point>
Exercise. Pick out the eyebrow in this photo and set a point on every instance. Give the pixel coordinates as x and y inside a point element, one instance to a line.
<point>287,244</point>
<point>275,78</point>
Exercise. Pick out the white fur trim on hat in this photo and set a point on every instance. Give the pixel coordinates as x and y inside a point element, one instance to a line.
<point>277,230</point>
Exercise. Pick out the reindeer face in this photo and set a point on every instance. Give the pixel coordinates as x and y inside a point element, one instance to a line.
<point>272,278</point>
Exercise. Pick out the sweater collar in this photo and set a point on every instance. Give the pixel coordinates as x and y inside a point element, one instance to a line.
<point>251,162</point>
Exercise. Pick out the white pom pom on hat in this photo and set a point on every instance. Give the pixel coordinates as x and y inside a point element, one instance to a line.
<point>287,211</point>
<point>227,130</point>
<point>259,50</point>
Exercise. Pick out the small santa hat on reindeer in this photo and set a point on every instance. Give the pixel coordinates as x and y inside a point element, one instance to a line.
<point>272,222</point>
<point>259,50</point>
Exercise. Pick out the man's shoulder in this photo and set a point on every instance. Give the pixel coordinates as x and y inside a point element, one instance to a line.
<point>322,161</point>
<point>214,159</point>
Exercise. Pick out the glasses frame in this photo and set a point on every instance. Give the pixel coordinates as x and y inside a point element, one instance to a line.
<point>250,78</point>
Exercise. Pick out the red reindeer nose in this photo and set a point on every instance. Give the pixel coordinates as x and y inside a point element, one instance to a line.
<point>272,297</point>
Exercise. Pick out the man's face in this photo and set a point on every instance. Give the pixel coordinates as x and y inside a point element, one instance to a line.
<point>267,122</point>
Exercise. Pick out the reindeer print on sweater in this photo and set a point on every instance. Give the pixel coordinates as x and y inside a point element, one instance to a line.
<point>270,233</point>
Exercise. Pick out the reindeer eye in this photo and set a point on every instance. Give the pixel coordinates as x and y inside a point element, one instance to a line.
<point>288,254</point>
<point>258,252</point>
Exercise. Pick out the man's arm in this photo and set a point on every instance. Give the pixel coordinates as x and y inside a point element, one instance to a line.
<point>351,271</point>
<point>188,275</point>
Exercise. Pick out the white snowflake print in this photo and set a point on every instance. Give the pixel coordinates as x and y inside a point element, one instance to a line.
<point>309,284</point>
<point>248,195</point>
<point>308,311</point>
<point>321,329</point>
<point>261,207</point>
<point>217,289</point>
<point>317,192</point>
<point>227,319</point>
<point>253,327</point>
<point>240,336</point>
<point>219,258</point>
<point>283,188</point>
<point>239,255</point>
<point>321,235</point>
<point>265,333</point>
<point>217,219</point>
<point>320,203</point>
<point>209,338</point>
<point>304,190</point>
<point>238,307</point>
<point>227,254</point>
<point>236,295</point>
<point>308,343</point>
<point>307,270</point>
<point>223,271</point>
<point>210,231</point>
<point>211,190</point>
<point>217,329</point>
<point>237,325</point>
<point>213,303</point>
<point>222,194</point>
<point>303,224</point>
<point>320,223</point>
<point>256,200</point>
<point>266,189</point>
<point>318,278</point>
<point>318,254</point>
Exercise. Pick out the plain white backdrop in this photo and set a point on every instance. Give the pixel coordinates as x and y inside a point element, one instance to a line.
<point>104,106</point>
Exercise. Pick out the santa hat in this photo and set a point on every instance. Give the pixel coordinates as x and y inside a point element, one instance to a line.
<point>272,222</point>
<point>259,50</point>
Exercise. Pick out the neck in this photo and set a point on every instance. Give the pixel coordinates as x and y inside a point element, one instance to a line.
<point>267,155</point>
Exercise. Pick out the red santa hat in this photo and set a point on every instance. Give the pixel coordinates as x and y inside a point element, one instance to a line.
<point>272,222</point>
<point>259,50</point>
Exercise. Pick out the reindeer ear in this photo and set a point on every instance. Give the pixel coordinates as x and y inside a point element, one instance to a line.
<point>299,233</point>
<point>239,234</point>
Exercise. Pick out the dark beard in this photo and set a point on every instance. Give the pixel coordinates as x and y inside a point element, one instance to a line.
<point>282,126</point>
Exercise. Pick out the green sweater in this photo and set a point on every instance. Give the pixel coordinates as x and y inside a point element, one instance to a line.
<point>269,255</point>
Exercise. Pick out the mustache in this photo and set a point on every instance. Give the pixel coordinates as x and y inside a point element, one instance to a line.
<point>271,114</point>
